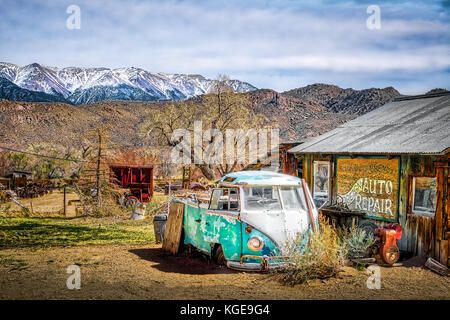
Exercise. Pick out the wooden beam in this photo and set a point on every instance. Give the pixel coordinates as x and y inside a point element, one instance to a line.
<point>439,215</point>
<point>440,164</point>
<point>443,256</point>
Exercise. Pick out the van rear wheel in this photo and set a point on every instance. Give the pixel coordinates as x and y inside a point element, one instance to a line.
<point>219,257</point>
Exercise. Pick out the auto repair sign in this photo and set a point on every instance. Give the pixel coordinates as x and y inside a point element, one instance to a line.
<point>369,186</point>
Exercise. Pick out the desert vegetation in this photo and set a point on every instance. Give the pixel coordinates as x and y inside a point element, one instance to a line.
<point>323,254</point>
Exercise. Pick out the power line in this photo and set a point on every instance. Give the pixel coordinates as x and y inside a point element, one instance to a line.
<point>41,155</point>
<point>71,160</point>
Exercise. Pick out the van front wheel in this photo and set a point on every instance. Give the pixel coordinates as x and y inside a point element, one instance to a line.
<point>219,257</point>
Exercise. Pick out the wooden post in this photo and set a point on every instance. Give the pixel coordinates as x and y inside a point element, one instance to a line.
<point>443,252</point>
<point>439,202</point>
<point>174,228</point>
<point>97,184</point>
<point>168,199</point>
<point>439,215</point>
<point>65,211</point>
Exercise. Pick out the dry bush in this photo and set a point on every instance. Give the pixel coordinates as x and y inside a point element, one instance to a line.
<point>313,255</point>
<point>106,205</point>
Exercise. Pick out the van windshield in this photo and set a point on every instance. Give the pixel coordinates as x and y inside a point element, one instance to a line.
<point>293,198</point>
<point>261,198</point>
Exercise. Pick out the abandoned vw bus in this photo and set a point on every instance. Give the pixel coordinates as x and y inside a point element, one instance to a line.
<point>249,218</point>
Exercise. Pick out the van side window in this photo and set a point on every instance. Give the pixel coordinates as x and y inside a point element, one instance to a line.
<point>225,200</point>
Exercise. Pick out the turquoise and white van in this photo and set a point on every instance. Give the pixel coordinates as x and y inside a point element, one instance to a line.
<point>249,219</point>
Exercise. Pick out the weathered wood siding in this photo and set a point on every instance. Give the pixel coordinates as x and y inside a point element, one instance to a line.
<point>423,236</point>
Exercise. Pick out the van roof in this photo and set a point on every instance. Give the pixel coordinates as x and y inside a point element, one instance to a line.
<point>259,178</point>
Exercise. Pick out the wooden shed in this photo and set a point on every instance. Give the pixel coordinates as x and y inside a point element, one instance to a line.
<point>19,178</point>
<point>392,165</point>
<point>138,179</point>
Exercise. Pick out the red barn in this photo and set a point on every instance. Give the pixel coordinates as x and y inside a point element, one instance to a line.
<point>138,179</point>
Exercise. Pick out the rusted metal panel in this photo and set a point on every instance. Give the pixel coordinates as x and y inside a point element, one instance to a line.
<point>369,185</point>
<point>289,164</point>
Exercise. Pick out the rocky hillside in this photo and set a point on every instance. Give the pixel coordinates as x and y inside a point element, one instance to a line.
<point>29,123</point>
<point>347,101</point>
<point>299,114</point>
<point>297,119</point>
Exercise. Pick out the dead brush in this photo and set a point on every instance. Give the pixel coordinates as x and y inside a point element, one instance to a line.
<point>313,256</point>
<point>105,206</point>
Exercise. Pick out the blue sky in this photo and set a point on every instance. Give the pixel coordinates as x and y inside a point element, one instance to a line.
<point>277,44</point>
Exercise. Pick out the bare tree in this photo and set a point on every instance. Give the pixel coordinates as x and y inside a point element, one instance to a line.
<point>221,109</point>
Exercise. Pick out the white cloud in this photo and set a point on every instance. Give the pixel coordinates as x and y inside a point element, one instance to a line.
<point>211,38</point>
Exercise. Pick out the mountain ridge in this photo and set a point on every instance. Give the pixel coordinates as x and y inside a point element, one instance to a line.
<point>349,101</point>
<point>128,83</point>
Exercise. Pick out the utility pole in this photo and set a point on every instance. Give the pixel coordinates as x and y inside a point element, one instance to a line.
<point>65,210</point>
<point>99,157</point>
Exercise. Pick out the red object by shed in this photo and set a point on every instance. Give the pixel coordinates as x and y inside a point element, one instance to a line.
<point>138,179</point>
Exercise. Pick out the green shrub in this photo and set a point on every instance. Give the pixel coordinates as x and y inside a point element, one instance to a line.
<point>357,242</point>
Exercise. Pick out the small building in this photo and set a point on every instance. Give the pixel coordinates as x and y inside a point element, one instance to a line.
<point>20,178</point>
<point>21,174</point>
<point>391,165</point>
<point>282,159</point>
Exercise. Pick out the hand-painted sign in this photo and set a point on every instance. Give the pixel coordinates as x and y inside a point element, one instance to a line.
<point>369,185</point>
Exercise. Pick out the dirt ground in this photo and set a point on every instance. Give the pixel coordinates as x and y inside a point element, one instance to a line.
<point>48,204</point>
<point>144,272</point>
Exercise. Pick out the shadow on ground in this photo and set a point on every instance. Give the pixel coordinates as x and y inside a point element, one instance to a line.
<point>183,264</point>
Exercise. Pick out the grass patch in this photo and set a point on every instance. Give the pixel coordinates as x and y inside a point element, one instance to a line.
<point>49,232</point>
<point>13,263</point>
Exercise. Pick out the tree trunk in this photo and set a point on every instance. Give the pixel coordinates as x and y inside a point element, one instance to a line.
<point>207,171</point>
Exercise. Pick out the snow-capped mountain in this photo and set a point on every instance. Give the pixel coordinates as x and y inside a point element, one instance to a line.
<point>85,85</point>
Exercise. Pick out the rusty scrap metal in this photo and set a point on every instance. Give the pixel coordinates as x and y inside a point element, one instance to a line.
<point>437,267</point>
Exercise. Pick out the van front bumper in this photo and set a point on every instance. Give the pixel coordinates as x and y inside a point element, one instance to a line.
<point>264,265</point>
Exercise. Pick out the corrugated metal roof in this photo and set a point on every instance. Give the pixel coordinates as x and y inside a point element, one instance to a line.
<point>412,125</point>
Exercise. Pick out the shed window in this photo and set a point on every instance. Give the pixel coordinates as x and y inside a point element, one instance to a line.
<point>424,196</point>
<point>321,182</point>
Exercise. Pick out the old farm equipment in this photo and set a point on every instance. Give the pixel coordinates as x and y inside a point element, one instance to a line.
<point>137,179</point>
<point>387,242</point>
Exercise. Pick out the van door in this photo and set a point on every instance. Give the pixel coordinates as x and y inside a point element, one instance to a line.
<point>295,213</point>
<point>192,220</point>
<point>220,223</point>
